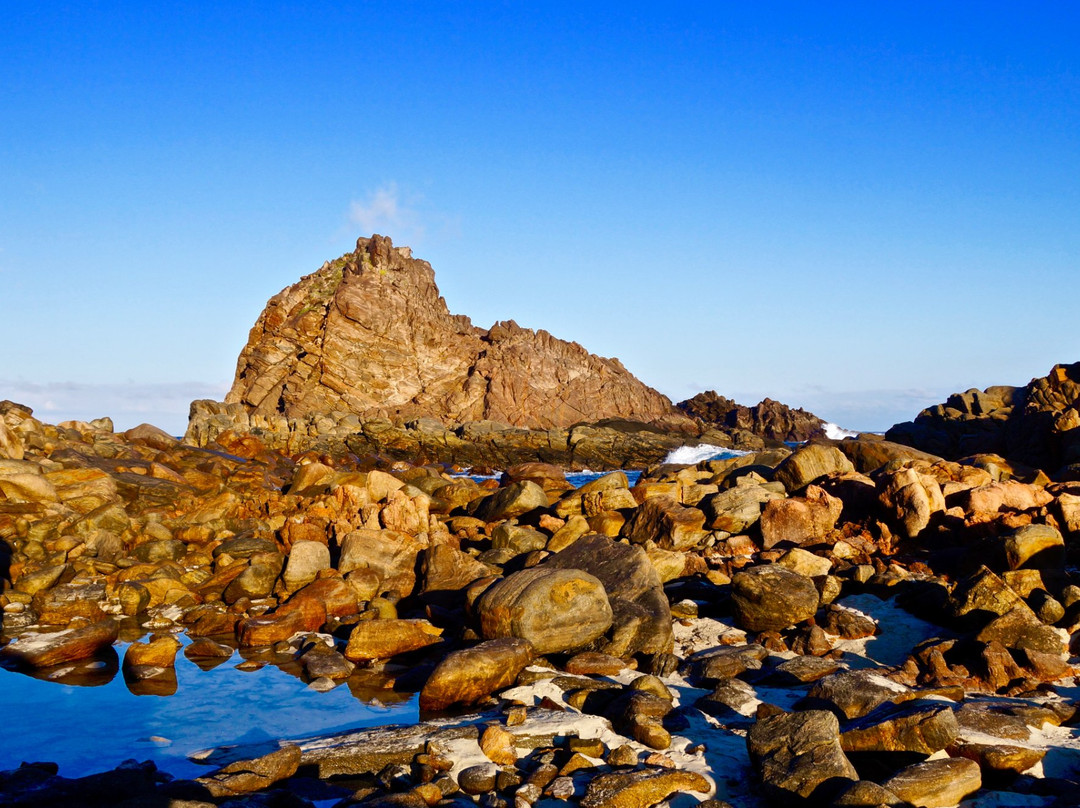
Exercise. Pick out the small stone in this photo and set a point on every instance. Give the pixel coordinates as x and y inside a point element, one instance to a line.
<point>498,745</point>
<point>478,779</point>
<point>561,788</point>
<point>624,755</point>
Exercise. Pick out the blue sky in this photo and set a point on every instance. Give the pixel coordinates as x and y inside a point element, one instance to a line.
<point>853,209</point>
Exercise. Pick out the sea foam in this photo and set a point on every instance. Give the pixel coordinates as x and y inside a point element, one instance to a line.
<point>689,455</point>
<point>834,432</point>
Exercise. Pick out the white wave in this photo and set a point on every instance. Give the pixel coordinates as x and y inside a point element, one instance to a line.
<point>834,432</point>
<point>689,455</point>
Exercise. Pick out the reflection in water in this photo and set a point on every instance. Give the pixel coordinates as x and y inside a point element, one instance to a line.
<point>87,719</point>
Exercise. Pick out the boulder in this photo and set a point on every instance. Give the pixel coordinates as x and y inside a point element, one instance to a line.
<point>739,508</point>
<point>770,597</point>
<point>446,569</point>
<point>553,609</point>
<point>915,726</point>
<point>853,694</point>
<point>468,676</point>
<point>666,522</point>
<point>809,463</point>
<point>513,500</point>
<point>911,498</point>
<point>56,647</point>
<point>800,520</point>
<point>383,639</point>
<point>247,776</point>
<point>159,652</point>
<point>936,783</point>
<point>1009,495</point>
<point>389,554</point>
<point>306,560</point>
<point>628,576</point>
<point>799,754</point>
<point>1036,547</point>
<point>517,538</point>
<point>641,788</point>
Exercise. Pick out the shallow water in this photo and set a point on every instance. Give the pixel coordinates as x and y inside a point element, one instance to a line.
<point>92,729</point>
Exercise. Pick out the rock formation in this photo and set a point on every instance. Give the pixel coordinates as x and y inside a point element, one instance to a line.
<point>368,334</point>
<point>769,419</point>
<point>1037,425</point>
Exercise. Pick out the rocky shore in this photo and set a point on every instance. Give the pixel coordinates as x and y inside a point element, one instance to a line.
<point>708,634</point>
<point>605,445</point>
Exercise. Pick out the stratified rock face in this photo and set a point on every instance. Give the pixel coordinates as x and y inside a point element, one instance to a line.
<point>768,419</point>
<point>1038,424</point>
<point>369,334</point>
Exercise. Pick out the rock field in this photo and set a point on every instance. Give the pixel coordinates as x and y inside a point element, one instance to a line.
<point>852,623</point>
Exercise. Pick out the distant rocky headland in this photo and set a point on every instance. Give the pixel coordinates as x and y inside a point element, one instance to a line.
<point>364,356</point>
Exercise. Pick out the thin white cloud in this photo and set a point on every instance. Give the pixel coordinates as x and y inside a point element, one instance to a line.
<point>387,212</point>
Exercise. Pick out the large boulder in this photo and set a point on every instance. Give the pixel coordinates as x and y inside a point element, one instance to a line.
<point>513,500</point>
<point>936,783</point>
<point>56,647</point>
<point>389,554</point>
<point>800,520</point>
<point>553,609</point>
<point>809,463</point>
<point>468,676</point>
<point>739,507</point>
<point>912,498</point>
<point>664,521</point>
<point>771,597</point>
<point>641,613</point>
<point>799,755</point>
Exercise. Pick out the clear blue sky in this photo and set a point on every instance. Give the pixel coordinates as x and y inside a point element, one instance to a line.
<point>850,208</point>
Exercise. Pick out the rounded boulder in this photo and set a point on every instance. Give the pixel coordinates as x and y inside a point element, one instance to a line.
<point>771,597</point>
<point>554,609</point>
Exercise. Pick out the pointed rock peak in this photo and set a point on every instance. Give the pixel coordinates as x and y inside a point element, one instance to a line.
<point>369,334</point>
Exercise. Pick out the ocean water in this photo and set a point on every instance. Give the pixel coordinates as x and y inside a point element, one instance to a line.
<point>93,729</point>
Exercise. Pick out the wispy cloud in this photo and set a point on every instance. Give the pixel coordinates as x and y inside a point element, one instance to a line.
<point>165,405</point>
<point>390,213</point>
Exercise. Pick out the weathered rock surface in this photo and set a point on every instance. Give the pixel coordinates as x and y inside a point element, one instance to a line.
<point>553,609</point>
<point>798,754</point>
<point>768,419</point>
<point>772,597</point>
<point>472,674</point>
<point>1037,425</point>
<point>369,334</point>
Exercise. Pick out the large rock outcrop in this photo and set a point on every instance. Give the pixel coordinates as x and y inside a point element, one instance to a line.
<point>1038,424</point>
<point>768,419</point>
<point>369,334</point>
